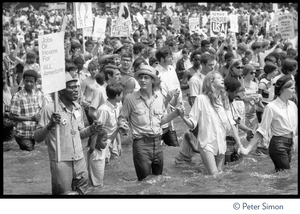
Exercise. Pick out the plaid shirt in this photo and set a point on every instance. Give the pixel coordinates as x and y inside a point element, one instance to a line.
<point>24,104</point>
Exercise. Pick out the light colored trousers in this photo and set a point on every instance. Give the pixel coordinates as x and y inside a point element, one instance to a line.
<point>69,176</point>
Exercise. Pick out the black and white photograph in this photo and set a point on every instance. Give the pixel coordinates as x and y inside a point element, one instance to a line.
<point>151,99</point>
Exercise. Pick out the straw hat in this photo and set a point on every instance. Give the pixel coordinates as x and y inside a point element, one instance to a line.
<point>148,70</point>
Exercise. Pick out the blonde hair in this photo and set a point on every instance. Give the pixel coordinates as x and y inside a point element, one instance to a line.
<point>209,90</point>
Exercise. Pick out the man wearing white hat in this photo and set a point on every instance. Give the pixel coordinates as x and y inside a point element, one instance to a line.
<point>69,176</point>
<point>145,112</point>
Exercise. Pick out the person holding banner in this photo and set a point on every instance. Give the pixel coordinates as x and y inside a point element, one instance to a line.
<point>70,175</point>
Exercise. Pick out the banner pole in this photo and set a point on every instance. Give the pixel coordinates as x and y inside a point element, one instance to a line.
<point>57,134</point>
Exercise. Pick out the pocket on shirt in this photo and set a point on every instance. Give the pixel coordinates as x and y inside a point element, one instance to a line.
<point>157,112</point>
<point>140,112</point>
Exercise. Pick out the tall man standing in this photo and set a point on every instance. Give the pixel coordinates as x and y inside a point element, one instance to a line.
<point>144,110</point>
<point>69,176</point>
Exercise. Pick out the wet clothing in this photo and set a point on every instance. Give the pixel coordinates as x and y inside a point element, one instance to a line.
<point>148,156</point>
<point>280,119</point>
<point>71,173</point>
<point>144,117</point>
<point>280,152</point>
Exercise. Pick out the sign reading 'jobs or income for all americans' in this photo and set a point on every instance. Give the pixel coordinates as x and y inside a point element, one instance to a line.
<point>52,62</point>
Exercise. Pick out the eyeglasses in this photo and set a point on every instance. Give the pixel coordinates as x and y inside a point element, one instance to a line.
<point>74,87</point>
<point>252,72</point>
<point>240,67</point>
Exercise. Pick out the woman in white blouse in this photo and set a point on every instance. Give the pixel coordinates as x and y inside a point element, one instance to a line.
<point>281,118</point>
<point>208,114</point>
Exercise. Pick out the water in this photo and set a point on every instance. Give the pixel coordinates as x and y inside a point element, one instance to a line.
<point>253,175</point>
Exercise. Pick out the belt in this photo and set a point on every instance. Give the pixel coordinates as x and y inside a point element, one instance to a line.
<point>283,137</point>
<point>154,137</point>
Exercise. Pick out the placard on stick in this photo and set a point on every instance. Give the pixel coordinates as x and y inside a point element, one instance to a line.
<point>52,62</point>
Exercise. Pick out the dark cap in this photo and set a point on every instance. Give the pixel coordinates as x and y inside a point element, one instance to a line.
<point>31,73</point>
<point>281,82</point>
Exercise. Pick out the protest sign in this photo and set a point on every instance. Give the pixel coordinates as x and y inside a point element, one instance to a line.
<point>275,6</point>
<point>286,26</point>
<point>168,5</point>
<point>295,16</point>
<point>194,23</point>
<point>218,23</point>
<point>100,27</point>
<point>274,24</point>
<point>140,18</point>
<point>83,14</point>
<point>87,31</point>
<point>152,29</point>
<point>234,26</point>
<point>121,27</point>
<point>52,62</point>
<point>57,6</point>
<point>176,23</point>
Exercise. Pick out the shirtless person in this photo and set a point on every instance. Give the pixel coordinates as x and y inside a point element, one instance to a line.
<point>127,80</point>
<point>88,86</point>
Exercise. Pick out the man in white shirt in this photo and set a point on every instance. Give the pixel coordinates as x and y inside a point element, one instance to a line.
<point>169,81</point>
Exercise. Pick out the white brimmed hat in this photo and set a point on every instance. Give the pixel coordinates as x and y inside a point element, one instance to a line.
<point>148,70</point>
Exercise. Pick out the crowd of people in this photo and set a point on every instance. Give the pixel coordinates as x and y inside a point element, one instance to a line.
<point>136,86</point>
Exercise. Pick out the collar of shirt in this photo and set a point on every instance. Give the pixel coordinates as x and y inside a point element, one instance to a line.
<point>110,105</point>
<point>76,105</point>
<point>161,69</point>
<point>281,104</point>
<point>139,95</point>
<point>25,93</point>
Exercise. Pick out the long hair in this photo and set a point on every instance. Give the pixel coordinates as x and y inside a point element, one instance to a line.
<point>233,64</point>
<point>209,90</point>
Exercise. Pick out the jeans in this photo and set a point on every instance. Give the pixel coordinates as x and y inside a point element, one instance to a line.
<point>280,152</point>
<point>147,157</point>
<point>25,143</point>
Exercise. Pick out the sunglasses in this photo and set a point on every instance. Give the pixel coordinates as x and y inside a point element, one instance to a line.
<point>240,67</point>
<point>252,72</point>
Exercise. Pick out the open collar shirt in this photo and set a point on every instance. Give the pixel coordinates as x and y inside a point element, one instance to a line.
<point>281,118</point>
<point>169,80</point>
<point>71,131</point>
<point>213,125</point>
<point>144,116</point>
<point>108,115</point>
<point>26,105</point>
